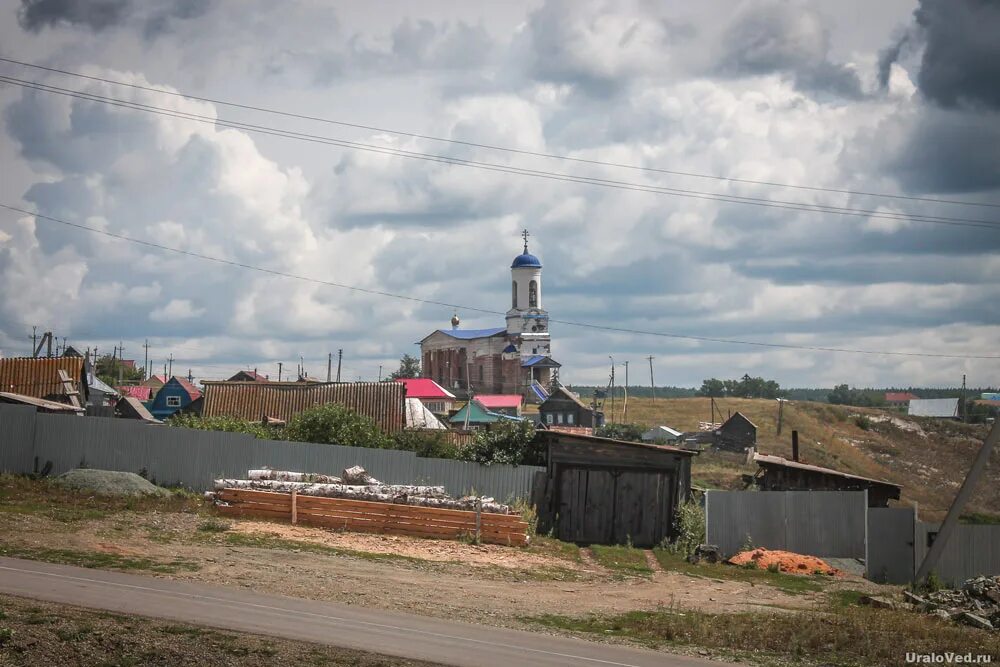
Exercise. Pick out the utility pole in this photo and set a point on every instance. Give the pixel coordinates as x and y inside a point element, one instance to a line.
<point>781,405</point>
<point>652,385</point>
<point>612,388</point>
<point>145,362</point>
<point>329,366</point>
<point>380,372</point>
<point>625,398</point>
<point>121,364</point>
<point>279,371</point>
<point>48,335</point>
<point>190,377</point>
<point>340,357</point>
<point>171,360</point>
<point>34,341</point>
<point>965,405</point>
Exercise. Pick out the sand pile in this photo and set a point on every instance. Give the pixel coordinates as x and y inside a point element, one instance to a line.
<point>110,483</point>
<point>786,561</point>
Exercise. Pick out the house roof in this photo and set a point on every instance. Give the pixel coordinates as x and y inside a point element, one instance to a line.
<point>899,396</point>
<point>251,376</point>
<point>39,403</point>
<point>98,384</point>
<point>496,401</point>
<point>191,390</point>
<point>141,392</point>
<point>129,406</point>
<point>766,460</point>
<point>381,402</point>
<point>39,376</point>
<point>934,407</point>
<point>735,415</point>
<point>661,431</point>
<point>479,414</point>
<point>162,379</point>
<point>469,334</point>
<point>566,394</point>
<point>418,416</point>
<point>540,360</point>
<point>425,388</point>
<point>550,433</point>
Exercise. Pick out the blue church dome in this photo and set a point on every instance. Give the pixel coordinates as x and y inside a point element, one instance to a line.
<point>526,260</point>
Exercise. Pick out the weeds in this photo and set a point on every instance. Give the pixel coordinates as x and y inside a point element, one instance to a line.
<point>214,526</point>
<point>98,560</point>
<point>623,560</point>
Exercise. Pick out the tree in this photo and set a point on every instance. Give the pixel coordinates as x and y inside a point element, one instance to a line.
<point>712,387</point>
<point>107,369</point>
<point>628,432</point>
<point>505,442</point>
<point>409,367</point>
<point>335,424</point>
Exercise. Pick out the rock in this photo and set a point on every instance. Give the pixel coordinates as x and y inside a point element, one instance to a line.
<point>913,599</point>
<point>975,621</point>
<point>706,552</point>
<point>942,614</point>
<point>878,603</point>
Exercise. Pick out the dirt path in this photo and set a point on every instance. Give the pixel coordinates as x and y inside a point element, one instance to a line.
<point>480,583</point>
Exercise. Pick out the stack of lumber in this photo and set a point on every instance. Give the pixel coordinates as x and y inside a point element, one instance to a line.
<point>375,517</point>
<point>356,484</point>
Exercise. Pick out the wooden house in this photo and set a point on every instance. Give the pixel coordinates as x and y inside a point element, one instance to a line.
<point>736,433</point>
<point>778,474</point>
<point>564,408</point>
<point>603,491</point>
<point>175,394</point>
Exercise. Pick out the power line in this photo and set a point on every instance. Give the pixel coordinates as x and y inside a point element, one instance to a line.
<point>557,176</point>
<point>506,149</point>
<point>453,306</point>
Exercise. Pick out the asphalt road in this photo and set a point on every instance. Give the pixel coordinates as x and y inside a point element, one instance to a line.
<point>392,633</point>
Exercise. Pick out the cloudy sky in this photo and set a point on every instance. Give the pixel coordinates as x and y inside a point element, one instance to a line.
<point>893,98</point>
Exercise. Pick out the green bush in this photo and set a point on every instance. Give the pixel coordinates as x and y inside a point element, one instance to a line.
<point>334,424</point>
<point>629,432</point>
<point>429,444</point>
<point>505,442</point>
<point>689,522</point>
<point>227,424</point>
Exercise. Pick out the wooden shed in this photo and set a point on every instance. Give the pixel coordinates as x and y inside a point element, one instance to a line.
<point>778,474</point>
<point>603,491</point>
<point>737,433</point>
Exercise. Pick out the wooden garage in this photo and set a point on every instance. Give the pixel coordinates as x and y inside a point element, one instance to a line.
<point>603,491</point>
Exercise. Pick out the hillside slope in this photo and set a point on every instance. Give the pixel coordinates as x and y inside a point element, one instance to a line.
<point>928,457</point>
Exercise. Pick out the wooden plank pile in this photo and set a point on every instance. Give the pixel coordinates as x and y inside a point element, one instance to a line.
<point>380,508</point>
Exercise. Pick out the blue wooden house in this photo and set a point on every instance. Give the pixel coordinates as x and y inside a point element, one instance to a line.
<point>175,395</point>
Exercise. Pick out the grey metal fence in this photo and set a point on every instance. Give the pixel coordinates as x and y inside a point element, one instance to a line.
<point>972,550</point>
<point>193,458</point>
<point>890,544</point>
<point>822,523</point>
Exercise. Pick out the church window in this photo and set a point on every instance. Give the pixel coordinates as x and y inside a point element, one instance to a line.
<point>533,294</point>
<point>513,294</point>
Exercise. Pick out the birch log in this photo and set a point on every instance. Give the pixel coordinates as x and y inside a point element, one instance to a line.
<point>358,475</point>
<point>401,494</point>
<point>289,476</point>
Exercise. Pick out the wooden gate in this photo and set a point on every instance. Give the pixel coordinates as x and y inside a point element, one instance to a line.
<point>601,506</point>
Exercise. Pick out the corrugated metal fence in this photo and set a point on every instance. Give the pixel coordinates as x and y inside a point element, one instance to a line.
<point>820,523</point>
<point>193,458</point>
<point>972,550</point>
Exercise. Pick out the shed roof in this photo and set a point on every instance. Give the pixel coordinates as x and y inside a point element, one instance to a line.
<point>661,431</point>
<point>766,460</point>
<point>562,392</point>
<point>39,403</point>
<point>418,416</point>
<point>899,396</point>
<point>39,376</point>
<point>540,360</point>
<point>934,407</point>
<point>131,407</point>
<point>380,401</point>
<point>479,414</point>
<point>622,443</point>
<point>141,392</point>
<point>249,376</point>
<point>495,401</point>
<point>741,415</point>
<point>425,388</point>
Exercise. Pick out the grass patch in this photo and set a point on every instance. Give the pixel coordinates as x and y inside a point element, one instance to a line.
<point>624,560</point>
<point>845,598</point>
<point>861,636</point>
<point>549,546</point>
<point>789,583</point>
<point>98,560</point>
<point>214,525</point>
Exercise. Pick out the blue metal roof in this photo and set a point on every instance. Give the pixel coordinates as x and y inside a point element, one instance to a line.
<point>467,334</point>
<point>526,260</point>
<point>537,359</point>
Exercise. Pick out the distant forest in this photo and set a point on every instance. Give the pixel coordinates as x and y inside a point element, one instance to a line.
<point>820,395</point>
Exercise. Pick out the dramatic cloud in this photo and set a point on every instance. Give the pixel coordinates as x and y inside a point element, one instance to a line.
<point>792,39</point>
<point>770,93</point>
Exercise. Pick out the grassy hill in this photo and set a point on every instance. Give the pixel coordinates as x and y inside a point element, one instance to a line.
<point>928,457</point>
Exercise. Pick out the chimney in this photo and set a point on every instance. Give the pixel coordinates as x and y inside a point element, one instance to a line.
<point>795,446</point>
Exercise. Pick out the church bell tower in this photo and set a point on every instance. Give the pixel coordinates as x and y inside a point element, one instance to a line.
<point>527,320</point>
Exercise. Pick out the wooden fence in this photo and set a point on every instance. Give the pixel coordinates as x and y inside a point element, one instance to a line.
<point>375,517</point>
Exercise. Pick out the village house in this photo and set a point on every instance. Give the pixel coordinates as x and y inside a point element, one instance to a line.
<point>564,408</point>
<point>435,398</point>
<point>506,404</point>
<point>176,394</point>
<point>514,359</point>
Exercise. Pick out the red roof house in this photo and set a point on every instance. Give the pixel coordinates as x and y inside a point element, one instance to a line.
<point>434,397</point>
<point>509,404</point>
<point>136,391</point>
<point>899,397</point>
